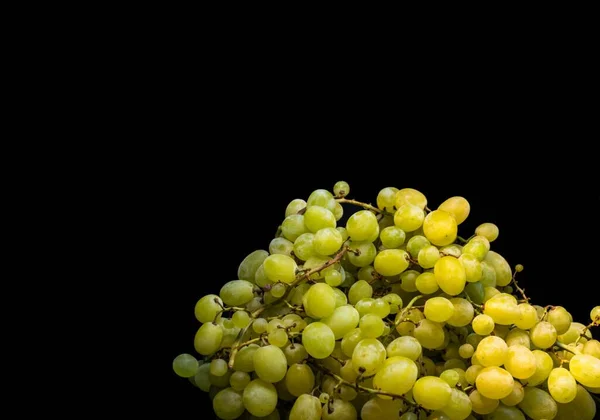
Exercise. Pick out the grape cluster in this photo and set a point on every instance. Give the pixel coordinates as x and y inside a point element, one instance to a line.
<point>393,316</point>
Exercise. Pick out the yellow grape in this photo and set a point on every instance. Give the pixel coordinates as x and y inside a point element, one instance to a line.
<point>544,366</point>
<point>560,319</point>
<point>494,382</point>
<point>409,217</point>
<point>518,336</point>
<point>472,372</point>
<point>472,266</point>
<point>543,335</point>
<point>459,405</point>
<point>520,362</point>
<point>538,404</point>
<point>440,228</point>
<point>492,351</point>
<point>407,346</point>
<point>431,392</point>
<point>516,395</point>
<point>488,230</point>
<point>586,369</point>
<point>482,404</point>
<point>386,199</point>
<point>458,207</point>
<point>410,195</point>
<point>362,225</point>
<point>501,267</point>
<point>562,385</point>
<point>391,262</point>
<point>463,312</point>
<point>426,283</point>
<point>502,308</point>
<point>430,334</point>
<point>483,324</point>
<point>592,348</point>
<point>398,377</point>
<point>595,314</point>
<point>438,309</point>
<point>450,275</point>
<point>368,355</point>
<point>583,407</point>
<point>527,316</point>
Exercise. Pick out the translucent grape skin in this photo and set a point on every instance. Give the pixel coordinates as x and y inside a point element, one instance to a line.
<point>431,392</point>
<point>260,398</point>
<point>228,404</point>
<point>294,207</point>
<point>270,363</point>
<point>185,365</point>
<point>341,189</point>
<point>318,339</point>
<point>562,385</point>
<point>538,404</point>
<point>586,369</point>
<point>306,407</point>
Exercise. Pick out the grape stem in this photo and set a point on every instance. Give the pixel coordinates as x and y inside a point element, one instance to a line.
<point>585,329</point>
<point>567,348</point>
<point>522,291</point>
<point>358,203</point>
<point>410,304</point>
<point>357,387</point>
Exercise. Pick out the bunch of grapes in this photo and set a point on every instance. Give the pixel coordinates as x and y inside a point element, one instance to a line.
<point>393,316</point>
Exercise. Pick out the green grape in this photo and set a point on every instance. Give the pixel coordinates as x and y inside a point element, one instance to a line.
<point>350,340</point>
<point>429,334</point>
<point>489,292</point>
<point>294,322</point>
<point>380,307</point>
<point>318,339</point>
<point>544,366</point>
<point>260,325</point>
<point>340,410</point>
<point>341,189</point>
<point>392,237</point>
<point>463,313</point>
<point>586,369</point>
<point>185,365</point>
<point>516,395</point>
<point>502,308</point>
<point>408,328</point>
<point>208,307</point>
<point>527,316</point>
<point>240,319</point>
<point>472,372</point>
<point>503,271</point>
<point>520,362</point>
<point>475,292</point>
<point>333,277</point>
<point>321,198</point>
<point>482,404</point>
<point>250,264</point>
<point>406,346</point>
<point>426,283</point>
<point>450,376</point>
<point>344,392</point>
<point>314,262</point>
<point>237,292</point>
<point>440,228</point>
<point>228,404</point>
<point>343,232</point>
<point>409,217</point>
<point>299,379</point>
<point>294,225</point>
<point>583,407</point>
<point>274,325</point>
<point>208,338</point>
<point>508,289</point>
<point>416,244</point>
<point>459,405</point>
<point>304,246</point>
<point>575,330</point>
<point>472,266</point>
<point>278,338</point>
<point>270,363</point>
<point>438,309</point>
<point>278,290</point>
<point>359,290</point>
<point>560,319</point>
<point>371,326</point>
<point>362,226</point>
<point>543,335</point>
<point>368,354</point>
<point>409,280</point>
<point>562,385</point>
<point>492,351</point>
<point>280,246</point>
<point>294,353</point>
<point>538,404</point>
<point>323,398</point>
<point>450,275</point>
<point>391,262</point>
<point>458,207</point>
<point>488,275</point>
<point>592,348</point>
<point>397,378</point>
<point>218,367</point>
<point>386,199</point>
<point>317,218</point>
<point>319,301</point>
<point>280,268</point>
<point>454,364</point>
<point>366,250</point>
<point>451,351</point>
<point>260,278</point>
<point>306,407</point>
<point>378,409</point>
<point>477,248</point>
<point>518,336</point>
<point>466,351</point>
<point>462,377</point>
<point>343,320</point>
<point>488,230</point>
<point>410,195</point>
<point>453,250</point>
<point>327,241</point>
<point>367,274</point>
<point>340,297</point>
<point>260,398</point>
<point>244,362</point>
<point>428,256</point>
<point>239,380</point>
<point>394,302</point>
<point>505,413</point>
<point>431,392</point>
<point>294,207</point>
<point>595,314</point>
<point>406,416</point>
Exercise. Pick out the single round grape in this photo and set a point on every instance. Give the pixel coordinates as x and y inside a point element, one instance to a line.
<point>488,230</point>
<point>343,232</point>
<point>327,241</point>
<point>472,372</point>
<point>583,407</point>
<point>366,253</point>
<point>426,283</point>
<point>244,361</point>
<point>294,225</point>
<point>406,346</point>
<point>185,365</point>
<point>428,256</point>
<point>544,366</point>
<point>463,313</point>
<point>306,407</point>
<point>371,326</point>
<point>318,339</point>
<point>386,199</point>
<point>228,404</point>
<point>380,307</point>
<point>430,334</point>
<point>321,198</point>
<point>488,275</point>
<point>458,207</point>
<point>586,369</point>
<point>333,277</point>
<point>508,289</point>
<point>250,264</point>
<point>492,351</point>
<point>538,404</point>
<point>280,246</point>
<point>453,250</point>
<point>299,379</point>
<point>438,309</point>
<point>278,290</point>
<point>304,246</point>
<point>560,319</point>
<point>294,207</point>
<point>431,392</point>
<point>363,226</point>
<point>416,244</point>
<point>280,268</point>
<point>410,195</point>
<point>450,275</point>
<point>343,320</point>
<point>368,355</point>
<point>409,217</point>
<point>278,337</point>
<point>379,409</point>
<point>520,362</point>
<point>359,290</point>
<point>575,330</point>
<point>472,266</point>
<point>260,325</point>
<point>260,398</point>
<point>237,292</point>
<point>339,410</point>
<point>501,267</point>
<point>595,314</point>
<point>317,218</point>
<point>397,378</point>
<point>391,262</point>
<point>450,376</point>
<point>592,348</point>
<point>240,319</point>
<point>502,308</point>
<point>208,338</point>
<point>405,327</point>
<point>350,340</point>
<point>562,385</point>
<point>341,189</point>
<point>490,292</point>
<point>323,398</point>
<point>207,308</point>
<point>516,395</point>
<point>319,301</point>
<point>482,404</point>
<point>475,291</point>
<point>340,297</point>
<point>527,316</point>
<point>440,228</point>
<point>543,335</point>
<point>394,302</point>
<point>459,405</point>
<point>466,351</point>
<point>294,353</point>
<point>517,336</point>
<point>218,367</point>
<point>270,363</point>
<point>409,280</point>
<point>392,237</point>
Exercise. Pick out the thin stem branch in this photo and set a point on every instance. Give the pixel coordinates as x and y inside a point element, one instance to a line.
<point>585,329</point>
<point>521,291</point>
<point>567,348</point>
<point>410,304</point>
<point>358,203</point>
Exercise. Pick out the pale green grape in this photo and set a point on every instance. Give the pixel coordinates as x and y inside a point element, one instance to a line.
<point>431,392</point>
<point>306,407</point>
<point>367,253</point>
<point>397,378</point>
<point>294,353</point>
<point>517,336</point>
<point>450,376</point>
<point>475,292</point>
<point>562,385</point>
<point>228,404</point>
<point>304,246</point>
<point>406,416</point>
<point>244,361</point>
<point>438,309</point>
<point>280,246</point>
<point>327,241</point>
<point>428,256</point>
<point>408,328</point>
<point>341,189</point>
<point>595,314</point>
<point>543,335</point>
<point>560,318</point>
<point>240,319</point>
<point>185,365</point>
<point>218,367</point>
<point>482,404</point>
<point>394,301</point>
<point>340,410</point>
<point>207,308</point>
<point>477,247</point>
<point>368,355</point>
<point>488,230</point>
<point>426,283</point>
<point>505,413</point>
<point>453,250</point>
<point>586,369</point>
<point>313,262</point>
<point>340,297</point>
<point>239,380</point>
<point>583,407</point>
<point>459,406</point>
<point>488,275</point>
<point>260,325</point>
<point>237,292</point>
<point>319,301</point>
<point>392,237</point>
<point>429,334</point>
<point>363,226</point>
<point>574,332</point>
<point>409,280</point>
<point>317,218</point>
<point>463,312</point>
<point>527,316</point>
<point>260,398</point>
<point>386,199</point>
<point>489,292</point>
<point>321,198</point>
<point>450,275</point>
<point>208,338</point>
<point>343,232</point>
<point>278,337</point>
<point>472,266</point>
<point>407,346</point>
<point>503,271</point>
<point>409,217</point>
<point>466,351</point>
<point>367,274</point>
<point>323,398</point>
<point>270,363</point>
<point>338,213</point>
<point>592,348</point>
<point>538,404</point>
<point>492,351</point>
<point>280,268</point>
<point>416,244</point>
<point>294,225</point>
<point>380,308</point>
<point>371,326</point>
<point>278,290</point>
<point>458,207</point>
<point>410,195</point>
<point>250,264</point>
<point>440,228</point>
<point>502,308</point>
<point>544,366</point>
<point>520,362</point>
<point>344,392</point>
<point>333,277</point>
<point>516,395</point>
<point>294,322</point>
<point>299,379</point>
<point>318,339</point>
<point>350,340</point>
<point>359,290</point>
<point>294,207</point>
<point>391,262</point>
<point>260,278</point>
<point>378,409</point>
<point>472,372</point>
<point>343,320</point>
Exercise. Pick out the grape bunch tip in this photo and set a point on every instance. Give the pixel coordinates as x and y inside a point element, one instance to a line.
<point>392,316</point>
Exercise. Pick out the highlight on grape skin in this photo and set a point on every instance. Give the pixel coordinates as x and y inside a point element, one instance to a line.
<point>396,314</point>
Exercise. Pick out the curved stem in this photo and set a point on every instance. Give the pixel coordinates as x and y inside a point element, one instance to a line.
<point>358,203</point>
<point>567,348</point>
<point>410,304</point>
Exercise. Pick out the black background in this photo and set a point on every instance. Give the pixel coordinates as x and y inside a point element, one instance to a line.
<point>206,210</point>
